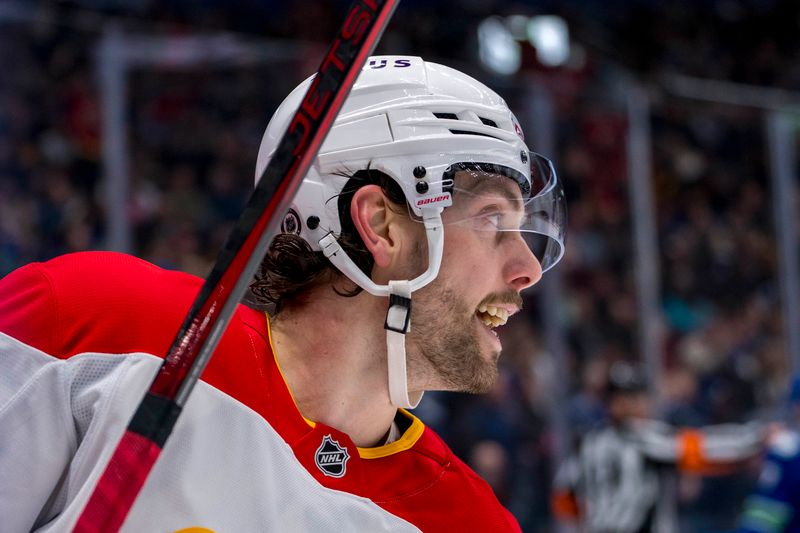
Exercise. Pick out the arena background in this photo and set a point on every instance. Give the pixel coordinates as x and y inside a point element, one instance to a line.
<point>134,125</point>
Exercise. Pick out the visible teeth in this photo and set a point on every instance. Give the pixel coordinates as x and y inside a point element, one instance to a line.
<point>492,316</point>
<point>499,312</point>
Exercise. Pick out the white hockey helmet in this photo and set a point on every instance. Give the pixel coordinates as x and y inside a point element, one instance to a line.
<point>420,123</point>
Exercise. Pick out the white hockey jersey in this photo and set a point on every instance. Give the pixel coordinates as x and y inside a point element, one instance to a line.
<point>59,422</point>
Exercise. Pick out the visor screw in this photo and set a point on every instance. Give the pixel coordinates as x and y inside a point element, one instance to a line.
<point>419,172</point>
<point>523,156</point>
<point>312,222</point>
<point>422,187</point>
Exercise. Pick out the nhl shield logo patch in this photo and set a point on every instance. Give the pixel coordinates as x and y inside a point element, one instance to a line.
<point>331,457</point>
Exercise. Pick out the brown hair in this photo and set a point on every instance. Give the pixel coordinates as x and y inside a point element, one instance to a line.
<point>291,267</point>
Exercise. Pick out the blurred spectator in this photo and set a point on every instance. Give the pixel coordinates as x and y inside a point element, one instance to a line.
<point>622,476</point>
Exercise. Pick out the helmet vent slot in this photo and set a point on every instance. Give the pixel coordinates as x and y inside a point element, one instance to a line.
<point>452,116</point>
<point>465,132</point>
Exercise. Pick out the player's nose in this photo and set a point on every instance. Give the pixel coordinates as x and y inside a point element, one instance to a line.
<point>522,269</point>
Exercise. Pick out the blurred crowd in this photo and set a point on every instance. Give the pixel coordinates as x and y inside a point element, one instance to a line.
<point>194,135</point>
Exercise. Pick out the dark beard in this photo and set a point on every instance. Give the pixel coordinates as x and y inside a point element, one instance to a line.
<point>443,328</point>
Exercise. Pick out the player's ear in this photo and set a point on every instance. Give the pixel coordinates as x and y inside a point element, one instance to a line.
<point>375,222</point>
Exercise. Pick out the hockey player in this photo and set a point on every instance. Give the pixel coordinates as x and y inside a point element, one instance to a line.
<point>774,506</point>
<point>424,192</point>
<point>622,477</point>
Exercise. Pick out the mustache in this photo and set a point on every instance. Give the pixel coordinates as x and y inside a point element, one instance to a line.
<point>510,297</point>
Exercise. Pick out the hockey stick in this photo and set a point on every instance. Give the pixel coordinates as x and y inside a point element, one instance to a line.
<point>155,417</point>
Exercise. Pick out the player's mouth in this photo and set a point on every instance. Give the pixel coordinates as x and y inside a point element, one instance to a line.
<point>492,315</point>
<point>495,312</point>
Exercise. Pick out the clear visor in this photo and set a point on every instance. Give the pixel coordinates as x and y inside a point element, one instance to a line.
<point>502,201</point>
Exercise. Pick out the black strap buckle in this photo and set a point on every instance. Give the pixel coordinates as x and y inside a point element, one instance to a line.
<point>405,303</point>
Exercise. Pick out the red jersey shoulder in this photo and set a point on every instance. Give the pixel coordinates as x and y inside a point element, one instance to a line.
<point>115,303</point>
<point>96,302</point>
<point>455,499</point>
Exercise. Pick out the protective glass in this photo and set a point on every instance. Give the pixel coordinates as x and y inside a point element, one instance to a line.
<point>501,200</point>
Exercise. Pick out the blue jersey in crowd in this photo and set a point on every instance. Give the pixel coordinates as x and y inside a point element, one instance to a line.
<point>774,506</point>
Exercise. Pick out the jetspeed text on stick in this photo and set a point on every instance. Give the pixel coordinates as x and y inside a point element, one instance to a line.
<point>332,69</point>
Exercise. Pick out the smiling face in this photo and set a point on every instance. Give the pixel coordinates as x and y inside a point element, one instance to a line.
<point>485,266</point>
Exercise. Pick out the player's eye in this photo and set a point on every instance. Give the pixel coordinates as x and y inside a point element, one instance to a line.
<point>496,219</point>
<point>490,218</point>
<point>491,221</point>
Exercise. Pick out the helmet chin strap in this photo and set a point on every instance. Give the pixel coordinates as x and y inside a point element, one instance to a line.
<point>398,322</point>
<point>398,316</point>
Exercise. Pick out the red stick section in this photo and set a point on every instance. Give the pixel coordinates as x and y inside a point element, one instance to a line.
<point>121,481</point>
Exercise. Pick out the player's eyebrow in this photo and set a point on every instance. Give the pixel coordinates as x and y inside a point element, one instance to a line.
<point>482,183</point>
